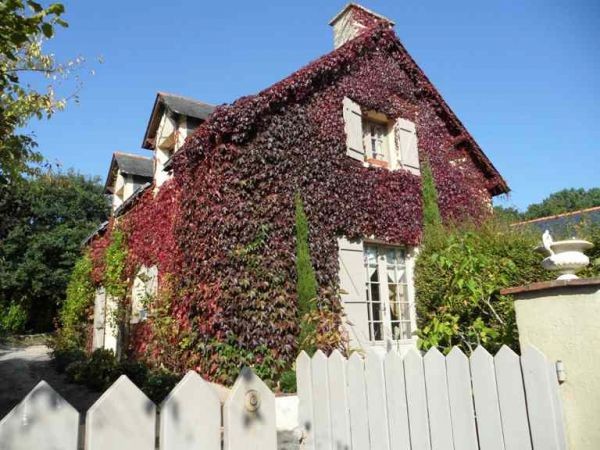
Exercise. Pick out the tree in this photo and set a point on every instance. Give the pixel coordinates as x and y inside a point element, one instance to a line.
<point>24,26</point>
<point>41,244</point>
<point>564,201</point>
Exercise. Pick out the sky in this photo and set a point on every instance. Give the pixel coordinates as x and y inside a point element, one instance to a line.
<point>523,76</point>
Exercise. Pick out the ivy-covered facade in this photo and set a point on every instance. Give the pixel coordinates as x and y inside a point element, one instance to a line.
<point>346,136</point>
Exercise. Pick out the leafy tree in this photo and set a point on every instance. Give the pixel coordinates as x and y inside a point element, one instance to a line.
<point>24,26</point>
<point>563,201</point>
<point>42,242</point>
<point>508,214</point>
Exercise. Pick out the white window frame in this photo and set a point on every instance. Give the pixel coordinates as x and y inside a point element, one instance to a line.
<point>383,308</point>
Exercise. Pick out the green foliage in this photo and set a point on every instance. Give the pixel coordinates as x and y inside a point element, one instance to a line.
<point>508,214</point>
<point>12,318</point>
<point>306,284</point>
<point>458,276</point>
<point>24,26</point>
<point>75,311</point>
<point>287,382</point>
<point>431,210</point>
<point>115,281</point>
<point>563,201</point>
<point>97,372</point>
<point>47,219</point>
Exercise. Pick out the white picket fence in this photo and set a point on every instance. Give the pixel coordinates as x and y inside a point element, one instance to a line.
<point>505,402</point>
<point>191,417</point>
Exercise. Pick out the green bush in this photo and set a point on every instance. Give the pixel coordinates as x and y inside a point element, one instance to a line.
<point>97,372</point>
<point>306,284</point>
<point>64,356</point>
<point>13,319</point>
<point>458,276</point>
<point>158,384</point>
<point>287,382</point>
<point>75,311</point>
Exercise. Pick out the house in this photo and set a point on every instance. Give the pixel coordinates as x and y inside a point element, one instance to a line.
<point>127,173</point>
<point>349,134</point>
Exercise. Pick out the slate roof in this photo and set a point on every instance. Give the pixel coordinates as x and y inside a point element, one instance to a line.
<point>176,104</point>
<point>564,225</point>
<point>140,166</point>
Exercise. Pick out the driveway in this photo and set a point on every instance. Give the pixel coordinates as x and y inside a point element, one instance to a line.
<point>24,366</point>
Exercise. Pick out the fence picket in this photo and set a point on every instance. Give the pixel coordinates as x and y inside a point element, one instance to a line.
<point>43,420</point>
<point>376,402</point>
<point>190,416</point>
<point>460,397</point>
<point>338,401</point>
<point>558,410</point>
<point>396,401</point>
<point>485,397</point>
<point>416,399</point>
<point>539,402</point>
<point>320,384</point>
<point>249,415</point>
<point>440,424</point>
<point>123,417</point>
<point>357,402</point>
<point>511,396</point>
<point>305,398</point>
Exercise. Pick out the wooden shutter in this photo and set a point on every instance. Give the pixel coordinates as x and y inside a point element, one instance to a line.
<point>407,146</point>
<point>352,285</point>
<point>99,318</point>
<point>353,128</point>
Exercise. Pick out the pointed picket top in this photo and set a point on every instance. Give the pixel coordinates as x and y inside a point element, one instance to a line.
<point>43,419</point>
<point>438,403</point>
<point>123,417</point>
<point>319,356</point>
<point>506,354</point>
<point>302,358</point>
<point>337,356</point>
<point>416,400</point>
<point>356,359</point>
<point>249,414</point>
<point>456,354</point>
<point>322,416</point>
<point>190,416</point>
<point>433,354</point>
<point>481,354</point>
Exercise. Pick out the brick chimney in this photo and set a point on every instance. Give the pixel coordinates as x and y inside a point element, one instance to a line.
<point>353,20</point>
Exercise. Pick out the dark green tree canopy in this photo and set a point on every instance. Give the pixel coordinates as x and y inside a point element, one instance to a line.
<point>47,219</point>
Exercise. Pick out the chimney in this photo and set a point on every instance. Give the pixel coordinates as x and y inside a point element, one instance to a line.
<point>353,20</point>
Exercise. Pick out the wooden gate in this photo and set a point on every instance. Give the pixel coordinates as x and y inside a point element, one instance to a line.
<point>505,402</point>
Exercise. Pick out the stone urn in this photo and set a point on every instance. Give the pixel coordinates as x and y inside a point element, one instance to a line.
<point>565,257</point>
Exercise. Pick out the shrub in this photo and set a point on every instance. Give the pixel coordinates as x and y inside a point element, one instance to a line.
<point>64,356</point>
<point>158,384</point>
<point>458,276</point>
<point>13,318</point>
<point>75,311</point>
<point>98,372</point>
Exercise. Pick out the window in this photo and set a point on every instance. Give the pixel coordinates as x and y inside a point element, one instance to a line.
<point>389,311</point>
<point>375,138</point>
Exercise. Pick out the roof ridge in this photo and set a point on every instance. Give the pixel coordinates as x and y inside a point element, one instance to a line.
<point>132,155</point>
<point>558,216</point>
<point>184,97</point>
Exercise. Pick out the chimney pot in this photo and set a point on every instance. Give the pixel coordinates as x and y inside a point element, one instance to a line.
<point>353,20</point>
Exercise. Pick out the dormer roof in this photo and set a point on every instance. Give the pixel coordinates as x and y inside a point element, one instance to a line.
<point>129,164</point>
<point>176,105</point>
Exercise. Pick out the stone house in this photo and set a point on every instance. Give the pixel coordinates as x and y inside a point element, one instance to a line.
<point>349,134</point>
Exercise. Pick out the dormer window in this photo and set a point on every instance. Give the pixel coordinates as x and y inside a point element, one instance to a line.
<point>375,139</point>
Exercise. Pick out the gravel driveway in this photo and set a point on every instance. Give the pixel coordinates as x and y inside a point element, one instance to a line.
<point>22,367</point>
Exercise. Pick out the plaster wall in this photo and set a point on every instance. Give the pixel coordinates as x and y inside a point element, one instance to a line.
<point>564,324</point>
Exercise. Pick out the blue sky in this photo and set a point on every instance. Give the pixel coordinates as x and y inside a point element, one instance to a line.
<point>523,76</point>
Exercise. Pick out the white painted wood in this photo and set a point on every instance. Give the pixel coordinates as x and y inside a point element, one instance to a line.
<point>460,397</point>
<point>406,138</point>
<point>353,128</point>
<point>539,401</point>
<point>511,397</point>
<point>122,418</point>
<point>357,403</point>
<point>489,424</point>
<point>376,401</point>
<point>559,419</point>
<point>338,401</point>
<point>190,416</point>
<point>396,401</point>
<point>440,425</point>
<point>249,415</point>
<point>320,383</point>
<point>305,397</point>
<point>416,399</point>
<point>42,421</point>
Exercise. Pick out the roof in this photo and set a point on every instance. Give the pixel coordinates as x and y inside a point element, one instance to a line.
<point>100,229</point>
<point>352,5</point>
<point>127,163</point>
<point>176,104</point>
<point>131,200</point>
<point>300,85</point>
<point>563,224</point>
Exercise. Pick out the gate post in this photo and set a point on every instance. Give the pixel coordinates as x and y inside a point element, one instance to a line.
<point>562,319</point>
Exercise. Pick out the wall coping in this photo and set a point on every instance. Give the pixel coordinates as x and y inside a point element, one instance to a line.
<point>549,285</point>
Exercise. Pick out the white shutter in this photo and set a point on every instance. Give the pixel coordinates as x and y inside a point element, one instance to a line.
<point>353,295</point>
<point>407,146</point>
<point>99,319</point>
<point>353,128</point>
